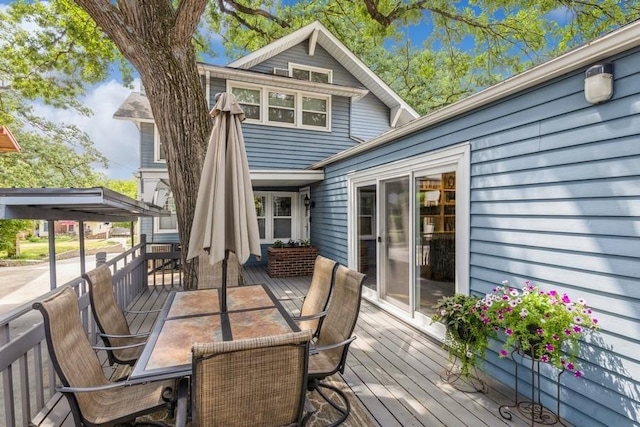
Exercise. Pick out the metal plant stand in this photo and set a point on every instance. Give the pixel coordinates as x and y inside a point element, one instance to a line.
<point>532,409</point>
<point>471,383</point>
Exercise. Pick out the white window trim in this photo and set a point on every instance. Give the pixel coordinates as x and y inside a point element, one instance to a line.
<point>296,215</point>
<point>327,71</point>
<point>158,230</point>
<point>264,106</point>
<point>456,158</point>
<point>156,146</point>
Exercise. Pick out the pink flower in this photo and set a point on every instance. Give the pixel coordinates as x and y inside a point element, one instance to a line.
<point>503,353</point>
<point>553,293</point>
<point>555,337</point>
<point>544,358</point>
<point>577,329</point>
<point>566,299</point>
<point>578,374</point>
<point>508,331</point>
<point>549,347</point>
<point>570,366</point>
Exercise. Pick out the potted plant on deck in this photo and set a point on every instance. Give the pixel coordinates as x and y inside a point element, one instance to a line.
<point>544,325</point>
<point>466,339</point>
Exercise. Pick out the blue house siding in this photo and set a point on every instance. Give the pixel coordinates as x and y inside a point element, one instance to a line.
<point>299,54</point>
<point>147,146</point>
<point>370,117</point>
<point>555,198</point>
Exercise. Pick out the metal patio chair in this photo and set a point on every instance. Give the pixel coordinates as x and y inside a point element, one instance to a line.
<point>315,302</point>
<point>329,353</point>
<point>210,275</point>
<point>255,382</point>
<point>94,400</point>
<point>121,345</point>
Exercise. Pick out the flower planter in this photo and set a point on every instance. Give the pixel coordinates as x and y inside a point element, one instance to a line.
<point>291,261</point>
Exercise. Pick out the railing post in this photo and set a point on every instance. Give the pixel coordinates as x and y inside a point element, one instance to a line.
<point>143,254</point>
<point>101,258</point>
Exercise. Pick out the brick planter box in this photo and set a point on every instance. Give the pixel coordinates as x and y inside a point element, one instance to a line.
<point>287,262</point>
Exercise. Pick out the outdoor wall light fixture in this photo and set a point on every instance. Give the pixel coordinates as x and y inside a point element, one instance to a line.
<point>598,83</point>
<point>308,203</point>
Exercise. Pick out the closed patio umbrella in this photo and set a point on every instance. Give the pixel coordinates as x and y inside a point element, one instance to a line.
<point>225,216</point>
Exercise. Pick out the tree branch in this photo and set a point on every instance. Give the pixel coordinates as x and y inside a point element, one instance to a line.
<point>187,18</point>
<point>237,7</point>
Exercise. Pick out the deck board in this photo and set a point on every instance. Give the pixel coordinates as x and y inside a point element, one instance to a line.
<point>392,368</point>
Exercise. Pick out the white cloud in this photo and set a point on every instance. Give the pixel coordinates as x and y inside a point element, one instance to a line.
<point>117,140</point>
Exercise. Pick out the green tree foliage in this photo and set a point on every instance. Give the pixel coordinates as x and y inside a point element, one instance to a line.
<point>9,229</point>
<point>465,45</point>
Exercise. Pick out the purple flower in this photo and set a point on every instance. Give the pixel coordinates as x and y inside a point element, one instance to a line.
<point>578,374</point>
<point>539,331</point>
<point>567,331</point>
<point>549,347</point>
<point>566,299</point>
<point>570,366</point>
<point>553,293</point>
<point>503,353</point>
<point>508,331</point>
<point>577,329</point>
<point>555,337</point>
<point>544,358</point>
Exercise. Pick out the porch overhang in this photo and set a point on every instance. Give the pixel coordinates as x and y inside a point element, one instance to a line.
<point>285,177</point>
<point>77,204</point>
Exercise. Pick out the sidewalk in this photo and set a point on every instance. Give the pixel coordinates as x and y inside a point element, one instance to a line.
<point>21,284</point>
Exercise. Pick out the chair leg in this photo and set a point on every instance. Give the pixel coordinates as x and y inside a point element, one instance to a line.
<point>343,410</point>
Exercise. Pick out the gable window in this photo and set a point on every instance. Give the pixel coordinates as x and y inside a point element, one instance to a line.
<point>285,108</point>
<point>313,74</point>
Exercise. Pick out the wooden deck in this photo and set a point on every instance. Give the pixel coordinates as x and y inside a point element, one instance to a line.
<point>393,369</point>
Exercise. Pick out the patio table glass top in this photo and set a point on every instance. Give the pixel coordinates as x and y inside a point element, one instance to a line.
<point>194,316</point>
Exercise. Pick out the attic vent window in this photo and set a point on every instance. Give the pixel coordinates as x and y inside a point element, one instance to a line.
<point>281,71</point>
<point>313,74</point>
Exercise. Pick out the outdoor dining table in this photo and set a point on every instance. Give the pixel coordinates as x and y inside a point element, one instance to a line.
<point>194,316</point>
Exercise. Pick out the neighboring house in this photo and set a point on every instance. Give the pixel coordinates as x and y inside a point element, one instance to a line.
<point>306,97</point>
<point>92,229</point>
<point>525,180</point>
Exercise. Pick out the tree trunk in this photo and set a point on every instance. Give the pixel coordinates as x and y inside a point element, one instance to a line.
<point>157,40</point>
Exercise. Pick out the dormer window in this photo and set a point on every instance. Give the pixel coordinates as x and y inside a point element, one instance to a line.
<point>312,74</point>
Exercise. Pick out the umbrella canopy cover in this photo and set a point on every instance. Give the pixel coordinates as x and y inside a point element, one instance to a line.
<point>225,216</point>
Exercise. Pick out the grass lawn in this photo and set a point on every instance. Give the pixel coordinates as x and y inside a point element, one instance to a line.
<point>40,249</point>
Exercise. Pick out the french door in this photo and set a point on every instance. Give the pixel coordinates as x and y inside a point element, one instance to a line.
<point>409,232</point>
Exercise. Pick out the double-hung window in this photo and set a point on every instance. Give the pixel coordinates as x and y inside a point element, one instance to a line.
<point>275,212</point>
<point>168,224</point>
<point>286,108</point>
<point>159,153</point>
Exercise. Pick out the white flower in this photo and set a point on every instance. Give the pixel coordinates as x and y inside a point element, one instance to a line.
<point>524,313</point>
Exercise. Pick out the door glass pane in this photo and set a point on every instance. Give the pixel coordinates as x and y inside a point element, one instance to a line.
<point>435,239</point>
<point>367,235</point>
<point>397,237</point>
<point>281,217</point>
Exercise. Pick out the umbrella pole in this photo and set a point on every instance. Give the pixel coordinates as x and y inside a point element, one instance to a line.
<point>223,305</point>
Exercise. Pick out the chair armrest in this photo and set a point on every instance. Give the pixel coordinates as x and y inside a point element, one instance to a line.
<point>110,386</point>
<point>309,316</point>
<point>118,347</point>
<point>318,349</point>
<point>140,335</point>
